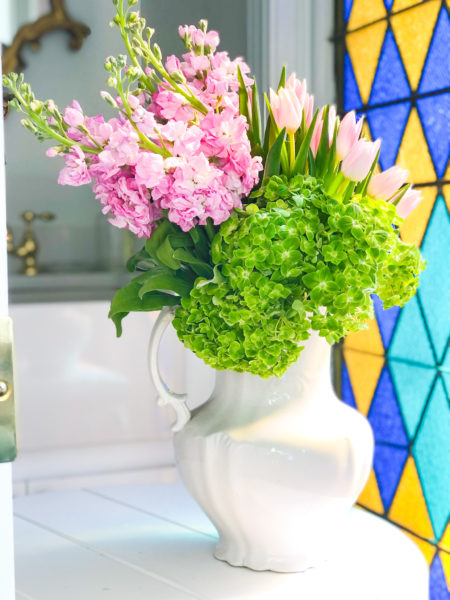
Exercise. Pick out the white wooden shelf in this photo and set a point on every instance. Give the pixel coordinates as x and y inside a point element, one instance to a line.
<point>152,542</point>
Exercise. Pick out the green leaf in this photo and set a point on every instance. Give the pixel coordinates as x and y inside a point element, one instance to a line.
<point>256,116</point>
<point>300,161</point>
<point>282,82</point>
<point>141,256</point>
<point>165,281</point>
<point>165,255</point>
<point>362,186</point>
<point>157,238</point>
<point>199,266</point>
<point>243,97</point>
<point>127,300</point>
<point>273,160</point>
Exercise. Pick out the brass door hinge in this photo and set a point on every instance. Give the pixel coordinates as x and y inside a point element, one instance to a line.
<point>8,449</point>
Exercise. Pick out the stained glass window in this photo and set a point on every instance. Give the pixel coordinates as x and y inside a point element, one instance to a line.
<point>393,64</point>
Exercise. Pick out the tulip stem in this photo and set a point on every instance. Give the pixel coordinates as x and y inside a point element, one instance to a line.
<point>291,143</point>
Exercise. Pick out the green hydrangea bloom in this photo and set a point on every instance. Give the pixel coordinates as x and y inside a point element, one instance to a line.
<point>295,260</point>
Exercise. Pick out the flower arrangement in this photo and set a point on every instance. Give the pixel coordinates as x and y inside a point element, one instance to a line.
<point>254,237</point>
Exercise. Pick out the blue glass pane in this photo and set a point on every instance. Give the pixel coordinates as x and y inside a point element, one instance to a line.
<point>386,320</point>
<point>347,9</point>
<point>434,289</point>
<point>384,414</point>
<point>436,72</point>
<point>412,384</point>
<point>434,113</point>
<point>438,585</point>
<point>389,124</point>
<point>352,99</point>
<point>388,4</point>
<point>410,341</point>
<point>388,465</point>
<point>431,451</point>
<point>445,370</point>
<point>390,82</point>
<point>346,387</point>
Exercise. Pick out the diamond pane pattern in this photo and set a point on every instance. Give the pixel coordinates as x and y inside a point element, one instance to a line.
<point>396,72</point>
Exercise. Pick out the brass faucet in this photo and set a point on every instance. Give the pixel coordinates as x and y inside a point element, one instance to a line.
<point>29,246</point>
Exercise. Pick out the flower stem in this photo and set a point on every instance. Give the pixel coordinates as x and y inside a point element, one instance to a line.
<point>291,143</point>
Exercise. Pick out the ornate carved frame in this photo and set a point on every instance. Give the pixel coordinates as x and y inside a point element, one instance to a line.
<point>57,18</point>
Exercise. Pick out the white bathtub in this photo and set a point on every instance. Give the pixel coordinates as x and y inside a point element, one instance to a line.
<point>86,408</point>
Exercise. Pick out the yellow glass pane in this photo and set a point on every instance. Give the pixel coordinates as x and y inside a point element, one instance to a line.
<point>414,226</point>
<point>364,48</point>
<point>367,340</point>
<point>446,191</point>
<point>445,541</point>
<point>402,4</point>
<point>445,560</point>
<point>364,371</point>
<point>413,30</point>
<point>408,507</point>
<point>428,550</point>
<point>365,11</point>
<point>413,154</point>
<point>370,496</point>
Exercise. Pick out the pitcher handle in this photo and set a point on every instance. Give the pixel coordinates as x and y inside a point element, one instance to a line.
<point>165,395</point>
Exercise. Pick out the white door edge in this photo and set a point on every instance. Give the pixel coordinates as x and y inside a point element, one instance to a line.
<point>7,591</point>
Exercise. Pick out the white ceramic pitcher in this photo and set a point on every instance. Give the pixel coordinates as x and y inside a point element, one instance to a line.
<point>276,463</point>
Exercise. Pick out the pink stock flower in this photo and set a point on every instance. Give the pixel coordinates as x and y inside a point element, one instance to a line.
<point>210,168</point>
<point>149,169</point>
<point>75,172</point>
<point>384,185</point>
<point>172,64</point>
<point>286,109</point>
<point>408,202</point>
<point>212,40</point>
<point>358,161</point>
<point>348,134</point>
<point>127,202</point>
<point>73,115</point>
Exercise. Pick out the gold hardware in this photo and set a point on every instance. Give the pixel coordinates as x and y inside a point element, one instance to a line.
<point>5,391</point>
<point>56,18</point>
<point>29,246</point>
<point>7,414</point>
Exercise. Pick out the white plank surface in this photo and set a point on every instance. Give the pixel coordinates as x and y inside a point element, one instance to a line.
<point>118,537</point>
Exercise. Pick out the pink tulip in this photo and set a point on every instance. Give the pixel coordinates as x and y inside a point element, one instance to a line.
<point>408,203</point>
<point>286,109</point>
<point>317,133</point>
<point>358,161</point>
<point>306,100</point>
<point>348,134</point>
<point>309,109</point>
<point>384,185</point>
<point>298,87</point>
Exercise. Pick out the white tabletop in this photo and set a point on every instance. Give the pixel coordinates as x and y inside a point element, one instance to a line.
<point>152,542</point>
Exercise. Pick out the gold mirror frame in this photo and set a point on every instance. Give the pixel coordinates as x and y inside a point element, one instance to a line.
<point>30,33</point>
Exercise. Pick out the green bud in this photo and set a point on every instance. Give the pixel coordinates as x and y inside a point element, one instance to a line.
<point>178,77</point>
<point>149,32</point>
<point>37,106</point>
<point>157,52</point>
<point>132,2</point>
<point>29,125</point>
<point>109,99</point>
<point>203,25</point>
<point>111,82</point>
